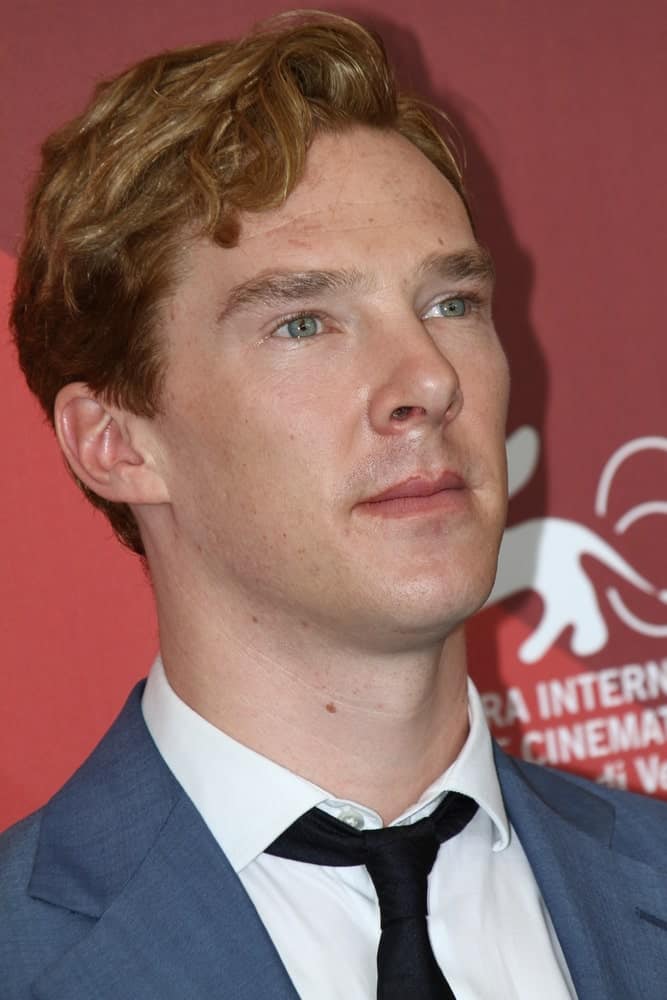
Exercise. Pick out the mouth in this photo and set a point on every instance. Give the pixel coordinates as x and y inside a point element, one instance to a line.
<point>418,495</point>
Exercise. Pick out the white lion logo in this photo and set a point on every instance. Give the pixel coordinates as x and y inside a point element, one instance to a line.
<point>544,555</point>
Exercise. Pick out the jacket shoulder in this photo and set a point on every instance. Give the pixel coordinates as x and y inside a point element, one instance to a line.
<point>43,858</point>
<point>639,823</point>
<point>32,933</point>
<point>17,854</point>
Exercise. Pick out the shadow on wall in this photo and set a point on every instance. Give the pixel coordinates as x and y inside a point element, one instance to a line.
<point>544,560</point>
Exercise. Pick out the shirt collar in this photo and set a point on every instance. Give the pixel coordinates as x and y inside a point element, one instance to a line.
<point>247,800</point>
<point>474,772</point>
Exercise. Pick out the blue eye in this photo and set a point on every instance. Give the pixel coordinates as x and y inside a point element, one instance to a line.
<point>451,307</point>
<point>299,328</point>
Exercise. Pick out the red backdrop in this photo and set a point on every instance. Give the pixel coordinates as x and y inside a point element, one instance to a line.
<point>561,108</point>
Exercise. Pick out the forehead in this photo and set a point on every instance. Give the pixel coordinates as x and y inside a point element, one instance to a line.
<point>361,185</point>
<point>368,201</point>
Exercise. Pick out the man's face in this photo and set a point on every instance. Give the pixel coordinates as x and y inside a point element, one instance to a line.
<point>344,348</point>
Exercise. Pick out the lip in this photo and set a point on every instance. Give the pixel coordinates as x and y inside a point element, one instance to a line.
<point>418,495</point>
<point>419,486</point>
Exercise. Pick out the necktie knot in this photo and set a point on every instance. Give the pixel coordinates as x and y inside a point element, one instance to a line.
<point>399,868</point>
<point>398,860</point>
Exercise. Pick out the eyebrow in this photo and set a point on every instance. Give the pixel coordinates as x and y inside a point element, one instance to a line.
<point>275,288</point>
<point>271,288</point>
<point>475,263</point>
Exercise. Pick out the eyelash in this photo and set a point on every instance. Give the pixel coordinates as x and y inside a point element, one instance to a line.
<point>472,300</point>
<point>304,314</point>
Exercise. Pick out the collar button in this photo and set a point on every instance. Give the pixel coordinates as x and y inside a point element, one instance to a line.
<point>352,817</point>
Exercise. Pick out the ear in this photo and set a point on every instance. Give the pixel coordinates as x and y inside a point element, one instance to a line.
<point>107,448</point>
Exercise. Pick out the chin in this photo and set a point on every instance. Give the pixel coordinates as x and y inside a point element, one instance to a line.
<point>428,612</point>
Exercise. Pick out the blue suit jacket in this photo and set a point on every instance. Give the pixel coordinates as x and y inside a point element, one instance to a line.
<point>116,889</point>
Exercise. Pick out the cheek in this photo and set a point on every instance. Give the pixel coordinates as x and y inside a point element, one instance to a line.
<point>503,380</point>
<point>485,385</point>
<point>499,398</point>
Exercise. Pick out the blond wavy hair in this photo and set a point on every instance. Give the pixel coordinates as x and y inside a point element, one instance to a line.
<point>182,143</point>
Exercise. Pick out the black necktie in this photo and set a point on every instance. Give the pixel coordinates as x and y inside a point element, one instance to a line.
<point>398,859</point>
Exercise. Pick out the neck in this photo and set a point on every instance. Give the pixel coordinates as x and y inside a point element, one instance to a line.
<point>374,727</point>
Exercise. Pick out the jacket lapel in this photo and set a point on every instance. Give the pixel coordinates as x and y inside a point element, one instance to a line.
<point>123,844</point>
<point>609,909</point>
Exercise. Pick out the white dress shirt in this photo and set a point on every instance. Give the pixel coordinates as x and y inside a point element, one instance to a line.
<point>489,928</point>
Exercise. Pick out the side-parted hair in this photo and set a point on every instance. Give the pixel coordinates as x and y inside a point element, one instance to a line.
<point>176,148</point>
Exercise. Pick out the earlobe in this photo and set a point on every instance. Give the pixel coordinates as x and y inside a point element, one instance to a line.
<point>97,441</point>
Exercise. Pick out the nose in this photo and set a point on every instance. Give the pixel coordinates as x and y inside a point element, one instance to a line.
<point>419,385</point>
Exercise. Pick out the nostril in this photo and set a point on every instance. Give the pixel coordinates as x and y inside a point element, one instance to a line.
<point>403,412</point>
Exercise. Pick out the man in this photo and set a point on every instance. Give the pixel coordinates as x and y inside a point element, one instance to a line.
<point>252,302</point>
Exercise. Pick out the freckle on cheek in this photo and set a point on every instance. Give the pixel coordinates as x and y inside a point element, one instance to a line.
<point>330,707</point>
